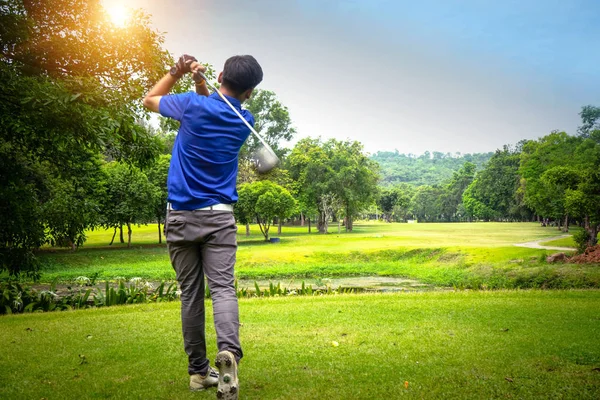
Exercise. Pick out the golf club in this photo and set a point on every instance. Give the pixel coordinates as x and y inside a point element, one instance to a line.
<point>264,157</point>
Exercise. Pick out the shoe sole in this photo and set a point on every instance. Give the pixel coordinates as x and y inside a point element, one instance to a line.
<point>228,387</point>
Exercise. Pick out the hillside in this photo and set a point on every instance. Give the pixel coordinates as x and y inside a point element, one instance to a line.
<point>427,169</point>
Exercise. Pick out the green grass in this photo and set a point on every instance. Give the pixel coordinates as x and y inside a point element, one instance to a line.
<point>459,345</point>
<point>564,242</point>
<point>461,255</point>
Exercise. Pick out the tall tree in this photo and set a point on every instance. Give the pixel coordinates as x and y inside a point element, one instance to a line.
<point>337,168</point>
<point>493,193</point>
<point>355,178</point>
<point>451,198</point>
<point>584,201</point>
<point>540,193</point>
<point>70,84</point>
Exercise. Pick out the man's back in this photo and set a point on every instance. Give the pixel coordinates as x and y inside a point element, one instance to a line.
<point>204,163</point>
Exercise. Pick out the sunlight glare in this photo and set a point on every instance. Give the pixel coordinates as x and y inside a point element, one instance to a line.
<point>118,14</point>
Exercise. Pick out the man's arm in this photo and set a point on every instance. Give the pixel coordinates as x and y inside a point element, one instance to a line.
<point>162,88</point>
<point>165,85</point>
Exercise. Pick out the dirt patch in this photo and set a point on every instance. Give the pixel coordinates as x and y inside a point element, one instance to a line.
<point>591,255</point>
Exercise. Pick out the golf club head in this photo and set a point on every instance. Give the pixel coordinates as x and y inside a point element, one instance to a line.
<point>264,159</point>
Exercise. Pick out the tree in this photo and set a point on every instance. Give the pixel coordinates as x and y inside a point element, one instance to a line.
<point>333,168</point>
<point>264,201</point>
<point>129,198</point>
<point>70,84</point>
<point>397,168</point>
<point>590,120</point>
<point>355,177</point>
<point>271,119</point>
<point>157,176</point>
<point>387,203</point>
<point>425,204</point>
<point>554,150</point>
<point>493,193</point>
<point>451,198</point>
<point>308,164</point>
<point>73,207</point>
<point>584,200</point>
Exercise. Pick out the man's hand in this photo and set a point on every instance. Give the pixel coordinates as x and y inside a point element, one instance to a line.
<point>183,65</point>
<point>195,66</point>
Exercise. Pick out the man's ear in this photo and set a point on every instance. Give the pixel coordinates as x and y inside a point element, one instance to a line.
<point>220,78</point>
<point>247,94</point>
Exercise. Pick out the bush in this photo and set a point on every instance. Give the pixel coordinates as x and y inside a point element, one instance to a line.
<point>582,239</point>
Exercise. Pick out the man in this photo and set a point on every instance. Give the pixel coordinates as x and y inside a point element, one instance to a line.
<point>200,228</point>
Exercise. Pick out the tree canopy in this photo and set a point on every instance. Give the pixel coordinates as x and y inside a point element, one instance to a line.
<point>70,90</point>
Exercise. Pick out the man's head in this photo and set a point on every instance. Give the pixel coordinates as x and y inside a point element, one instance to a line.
<point>241,74</point>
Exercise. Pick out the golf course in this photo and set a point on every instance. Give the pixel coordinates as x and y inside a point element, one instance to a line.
<point>299,200</point>
<point>452,337</point>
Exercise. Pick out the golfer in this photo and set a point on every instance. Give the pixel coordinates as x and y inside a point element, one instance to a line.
<point>200,228</point>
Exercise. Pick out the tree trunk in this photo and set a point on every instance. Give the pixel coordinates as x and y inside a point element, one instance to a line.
<point>73,247</point>
<point>247,229</point>
<point>309,225</point>
<point>322,223</point>
<point>348,220</point>
<point>301,219</point>
<point>593,231</point>
<point>279,226</point>
<point>121,233</point>
<point>128,234</point>
<point>566,227</point>
<point>339,226</point>
<point>159,233</point>
<point>113,238</point>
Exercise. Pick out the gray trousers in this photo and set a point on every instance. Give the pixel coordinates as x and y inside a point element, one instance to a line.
<point>203,243</point>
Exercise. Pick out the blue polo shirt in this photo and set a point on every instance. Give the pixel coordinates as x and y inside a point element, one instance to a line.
<point>204,163</point>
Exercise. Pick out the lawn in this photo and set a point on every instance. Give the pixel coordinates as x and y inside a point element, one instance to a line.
<point>464,255</point>
<point>564,242</point>
<point>459,345</point>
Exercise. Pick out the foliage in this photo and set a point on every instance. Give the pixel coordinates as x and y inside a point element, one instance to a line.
<point>451,208</point>
<point>493,193</point>
<point>70,91</point>
<point>425,203</point>
<point>544,165</point>
<point>18,298</point>
<point>582,239</point>
<point>427,169</point>
<point>265,201</point>
<point>128,198</point>
<point>271,119</point>
<point>157,176</point>
<point>338,168</point>
<point>590,120</point>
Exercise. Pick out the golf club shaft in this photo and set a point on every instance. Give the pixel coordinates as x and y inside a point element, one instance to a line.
<point>234,110</point>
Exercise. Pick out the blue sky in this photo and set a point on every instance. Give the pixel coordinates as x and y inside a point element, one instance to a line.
<point>450,76</point>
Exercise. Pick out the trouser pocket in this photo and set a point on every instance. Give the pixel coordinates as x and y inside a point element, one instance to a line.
<point>175,227</point>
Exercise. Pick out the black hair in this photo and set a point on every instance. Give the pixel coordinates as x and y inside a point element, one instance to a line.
<point>241,73</point>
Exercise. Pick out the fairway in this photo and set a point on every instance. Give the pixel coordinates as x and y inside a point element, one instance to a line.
<point>460,345</point>
<point>464,255</point>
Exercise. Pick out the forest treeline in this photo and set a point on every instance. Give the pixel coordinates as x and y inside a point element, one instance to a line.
<point>554,179</point>
<point>429,168</point>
